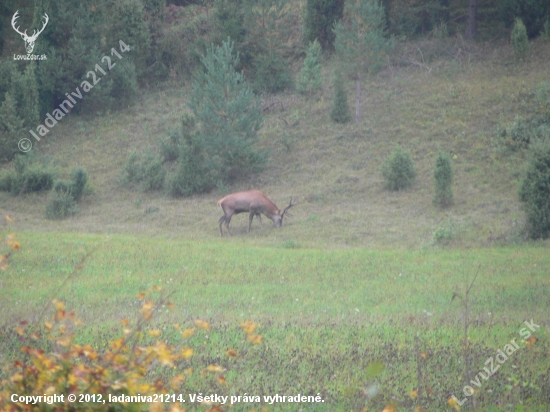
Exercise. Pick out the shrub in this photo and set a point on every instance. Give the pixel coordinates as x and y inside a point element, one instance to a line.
<point>129,24</point>
<point>6,178</point>
<point>195,173</point>
<point>309,78</point>
<point>65,194</point>
<point>321,15</point>
<point>146,171</point>
<point>79,178</point>
<point>54,358</point>
<point>444,233</point>
<point>533,13</point>
<point>519,39</point>
<point>183,57</point>
<point>522,132</point>
<point>61,203</point>
<point>271,74</point>
<point>154,174</point>
<point>170,147</point>
<point>535,191</point>
<point>29,175</point>
<point>340,107</point>
<point>398,169</point>
<point>443,175</point>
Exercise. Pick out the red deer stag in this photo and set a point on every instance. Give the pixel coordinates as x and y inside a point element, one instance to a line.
<point>253,202</point>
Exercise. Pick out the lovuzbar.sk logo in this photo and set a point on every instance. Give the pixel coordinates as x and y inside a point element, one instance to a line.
<point>29,40</point>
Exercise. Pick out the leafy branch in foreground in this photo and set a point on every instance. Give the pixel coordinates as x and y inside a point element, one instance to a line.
<point>126,367</point>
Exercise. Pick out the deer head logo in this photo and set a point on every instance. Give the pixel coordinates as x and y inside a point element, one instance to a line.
<point>29,40</point>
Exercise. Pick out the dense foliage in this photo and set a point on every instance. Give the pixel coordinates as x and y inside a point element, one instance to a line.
<point>362,43</point>
<point>309,78</point>
<point>227,116</point>
<point>535,190</point>
<point>398,169</point>
<point>63,198</point>
<point>519,40</point>
<point>29,174</point>
<point>443,176</point>
<point>340,107</point>
<point>321,15</point>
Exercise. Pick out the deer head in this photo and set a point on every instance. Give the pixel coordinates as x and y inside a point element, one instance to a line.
<point>29,40</point>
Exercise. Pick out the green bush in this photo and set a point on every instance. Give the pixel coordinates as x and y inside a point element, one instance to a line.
<point>79,178</point>
<point>522,132</point>
<point>62,199</point>
<point>443,175</point>
<point>128,23</point>
<point>533,13</point>
<point>60,204</point>
<point>321,15</point>
<point>535,190</point>
<point>170,147</point>
<point>194,174</point>
<point>271,74</point>
<point>183,57</point>
<point>340,106</point>
<point>519,39</point>
<point>6,178</point>
<point>398,169</point>
<point>309,78</point>
<point>444,233</point>
<point>147,171</point>
<point>29,175</point>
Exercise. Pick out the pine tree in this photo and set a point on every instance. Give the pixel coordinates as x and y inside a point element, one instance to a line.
<point>443,175</point>
<point>362,44</point>
<point>321,15</point>
<point>309,78</point>
<point>228,117</point>
<point>128,23</point>
<point>268,29</point>
<point>340,107</point>
<point>11,128</point>
<point>519,39</point>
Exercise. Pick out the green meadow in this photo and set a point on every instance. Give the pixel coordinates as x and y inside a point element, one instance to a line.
<point>326,316</point>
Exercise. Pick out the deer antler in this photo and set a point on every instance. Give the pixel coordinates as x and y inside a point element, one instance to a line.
<point>24,34</point>
<point>29,40</point>
<point>288,207</point>
<point>36,33</point>
<point>15,17</point>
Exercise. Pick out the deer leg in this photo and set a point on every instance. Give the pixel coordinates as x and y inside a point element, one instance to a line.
<point>227,220</point>
<point>260,219</point>
<point>250,218</point>
<point>222,219</point>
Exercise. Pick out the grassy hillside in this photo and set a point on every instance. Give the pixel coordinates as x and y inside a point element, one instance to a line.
<point>357,275</point>
<point>449,103</point>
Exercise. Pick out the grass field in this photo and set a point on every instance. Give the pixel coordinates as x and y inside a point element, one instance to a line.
<point>325,315</point>
<point>359,277</point>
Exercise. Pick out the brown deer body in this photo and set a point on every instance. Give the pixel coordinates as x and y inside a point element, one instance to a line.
<point>254,202</point>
